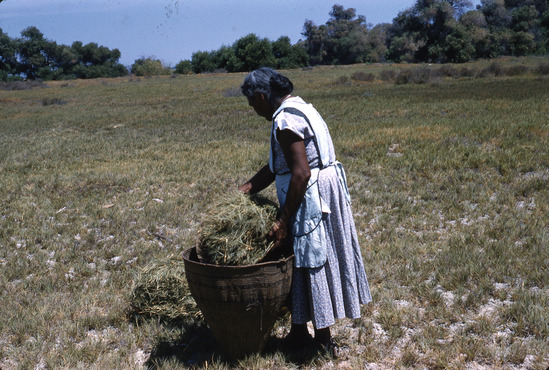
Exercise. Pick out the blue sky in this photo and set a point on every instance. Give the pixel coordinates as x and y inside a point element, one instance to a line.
<point>171,30</point>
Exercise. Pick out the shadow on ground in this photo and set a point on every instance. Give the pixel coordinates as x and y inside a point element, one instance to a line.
<point>197,347</point>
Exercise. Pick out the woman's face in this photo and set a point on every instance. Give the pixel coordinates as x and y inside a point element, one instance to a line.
<point>261,106</point>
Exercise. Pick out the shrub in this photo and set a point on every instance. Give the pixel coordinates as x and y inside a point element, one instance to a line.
<point>448,71</point>
<point>149,67</point>
<point>22,85</point>
<point>467,72</point>
<point>342,80</point>
<point>485,72</point>
<point>417,75</point>
<point>184,67</point>
<point>495,69</point>
<point>404,77</point>
<point>388,75</point>
<point>543,69</point>
<point>515,70</point>
<point>53,101</point>
<point>363,76</point>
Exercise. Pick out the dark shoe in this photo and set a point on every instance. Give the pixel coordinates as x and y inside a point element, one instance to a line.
<point>328,348</point>
<point>295,341</point>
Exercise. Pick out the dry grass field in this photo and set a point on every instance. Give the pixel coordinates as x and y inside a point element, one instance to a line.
<point>448,168</point>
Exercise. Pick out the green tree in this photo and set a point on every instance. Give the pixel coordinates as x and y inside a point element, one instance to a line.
<point>377,43</point>
<point>254,52</point>
<point>66,59</point>
<point>184,67</point>
<point>346,36</point>
<point>424,29</point>
<point>34,54</point>
<point>225,58</point>
<point>149,67</point>
<point>289,56</point>
<point>405,37</point>
<point>8,61</point>
<point>344,39</point>
<point>543,46</point>
<point>458,47</point>
<point>522,43</point>
<point>518,26</point>
<point>496,13</point>
<point>203,61</point>
<point>93,61</point>
<point>315,42</point>
<point>524,18</point>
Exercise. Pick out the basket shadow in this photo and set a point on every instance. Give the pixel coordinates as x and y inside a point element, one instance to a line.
<point>196,347</point>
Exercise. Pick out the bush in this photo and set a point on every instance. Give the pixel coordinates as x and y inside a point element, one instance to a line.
<point>53,101</point>
<point>22,85</point>
<point>149,67</point>
<point>485,72</point>
<point>448,71</point>
<point>404,77</point>
<point>342,80</point>
<point>516,70</point>
<point>184,67</point>
<point>495,69</point>
<point>543,69</point>
<point>388,75</point>
<point>467,72</point>
<point>363,76</point>
<point>417,75</point>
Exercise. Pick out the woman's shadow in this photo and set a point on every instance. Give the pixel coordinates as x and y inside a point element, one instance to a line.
<point>196,347</point>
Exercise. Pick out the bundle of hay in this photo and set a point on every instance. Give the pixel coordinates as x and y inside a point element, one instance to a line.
<point>233,232</point>
<point>161,290</point>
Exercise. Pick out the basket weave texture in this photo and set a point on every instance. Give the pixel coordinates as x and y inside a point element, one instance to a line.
<point>240,304</point>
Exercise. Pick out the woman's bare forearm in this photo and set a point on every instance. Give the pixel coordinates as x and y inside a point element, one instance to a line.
<point>263,178</point>
<point>296,158</point>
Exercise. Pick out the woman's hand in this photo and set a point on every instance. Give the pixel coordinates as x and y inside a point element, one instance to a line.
<point>263,178</point>
<point>280,246</point>
<point>279,233</point>
<point>245,188</point>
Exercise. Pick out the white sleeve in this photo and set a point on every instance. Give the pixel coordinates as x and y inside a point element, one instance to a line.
<point>294,123</point>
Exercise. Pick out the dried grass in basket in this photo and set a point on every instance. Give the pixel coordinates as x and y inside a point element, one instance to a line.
<point>234,229</point>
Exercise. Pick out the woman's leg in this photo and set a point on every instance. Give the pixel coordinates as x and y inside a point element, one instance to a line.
<point>323,336</point>
<point>323,339</point>
<point>299,336</point>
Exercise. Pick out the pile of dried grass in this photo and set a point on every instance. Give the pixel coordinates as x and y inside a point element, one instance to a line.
<point>161,290</point>
<point>234,230</point>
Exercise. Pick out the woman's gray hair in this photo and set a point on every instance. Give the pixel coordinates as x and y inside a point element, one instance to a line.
<point>268,82</point>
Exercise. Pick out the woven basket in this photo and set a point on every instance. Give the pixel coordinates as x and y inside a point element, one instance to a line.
<point>240,304</point>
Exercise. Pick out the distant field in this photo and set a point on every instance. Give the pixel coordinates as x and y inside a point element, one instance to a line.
<point>448,169</point>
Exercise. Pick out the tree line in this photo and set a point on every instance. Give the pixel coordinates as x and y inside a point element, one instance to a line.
<point>435,31</point>
<point>35,57</point>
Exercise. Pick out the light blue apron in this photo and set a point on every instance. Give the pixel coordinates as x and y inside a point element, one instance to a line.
<point>307,228</point>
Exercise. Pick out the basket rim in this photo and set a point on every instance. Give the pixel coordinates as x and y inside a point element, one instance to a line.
<point>187,258</point>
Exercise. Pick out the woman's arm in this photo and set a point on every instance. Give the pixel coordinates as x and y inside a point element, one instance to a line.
<point>293,148</point>
<point>263,178</point>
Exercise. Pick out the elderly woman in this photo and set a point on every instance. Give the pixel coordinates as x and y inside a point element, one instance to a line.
<point>329,281</point>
